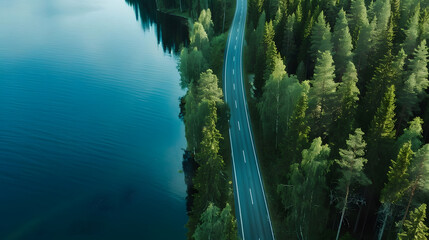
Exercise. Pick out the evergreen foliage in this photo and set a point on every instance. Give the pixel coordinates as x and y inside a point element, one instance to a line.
<point>415,228</point>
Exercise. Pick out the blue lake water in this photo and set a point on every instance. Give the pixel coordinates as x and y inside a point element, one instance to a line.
<point>90,139</point>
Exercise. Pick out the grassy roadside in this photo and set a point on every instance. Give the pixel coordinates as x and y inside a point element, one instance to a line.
<point>265,166</point>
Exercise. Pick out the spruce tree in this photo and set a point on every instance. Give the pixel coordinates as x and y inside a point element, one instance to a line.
<point>320,37</point>
<point>412,134</point>
<point>383,123</point>
<point>358,19</point>
<point>351,167</point>
<point>209,180</point>
<point>322,94</point>
<point>348,97</point>
<point>397,177</point>
<point>397,183</point>
<point>296,137</point>
<point>342,43</point>
<point>365,43</point>
<point>271,51</point>
<point>380,137</point>
<point>265,59</point>
<point>419,170</point>
<point>412,33</point>
<point>416,83</point>
<point>289,46</point>
<point>415,228</point>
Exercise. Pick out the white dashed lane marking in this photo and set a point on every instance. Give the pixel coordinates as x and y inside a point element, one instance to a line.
<point>244,157</point>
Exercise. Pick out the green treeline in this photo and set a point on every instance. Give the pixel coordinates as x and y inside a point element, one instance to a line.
<point>340,110</point>
<point>206,115</point>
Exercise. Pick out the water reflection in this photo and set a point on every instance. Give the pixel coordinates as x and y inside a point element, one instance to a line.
<point>171,31</point>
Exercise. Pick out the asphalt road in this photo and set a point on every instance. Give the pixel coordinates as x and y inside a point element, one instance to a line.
<point>252,213</point>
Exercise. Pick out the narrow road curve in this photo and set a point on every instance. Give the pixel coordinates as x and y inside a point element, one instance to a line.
<point>252,213</point>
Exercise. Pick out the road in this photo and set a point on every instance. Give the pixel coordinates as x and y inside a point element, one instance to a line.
<point>252,213</point>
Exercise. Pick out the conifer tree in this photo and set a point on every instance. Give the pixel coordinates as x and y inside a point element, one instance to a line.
<point>348,97</point>
<point>342,43</point>
<point>383,124</point>
<point>209,180</point>
<point>412,33</point>
<point>397,183</point>
<point>365,43</point>
<point>271,51</point>
<point>351,166</point>
<point>358,19</point>
<point>296,137</point>
<point>388,72</point>
<point>265,60</point>
<point>419,170</point>
<point>415,228</point>
<point>320,37</point>
<point>289,46</point>
<point>380,137</point>
<point>415,85</point>
<point>323,93</point>
<point>412,134</point>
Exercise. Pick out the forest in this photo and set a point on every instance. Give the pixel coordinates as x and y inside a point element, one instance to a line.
<point>338,93</point>
<point>340,108</point>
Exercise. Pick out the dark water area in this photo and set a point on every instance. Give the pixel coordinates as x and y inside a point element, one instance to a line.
<point>171,31</point>
<point>90,139</point>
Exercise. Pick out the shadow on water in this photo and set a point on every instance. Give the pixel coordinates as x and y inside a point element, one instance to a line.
<point>171,31</point>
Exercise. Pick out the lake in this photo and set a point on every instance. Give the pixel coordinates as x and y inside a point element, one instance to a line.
<point>90,139</point>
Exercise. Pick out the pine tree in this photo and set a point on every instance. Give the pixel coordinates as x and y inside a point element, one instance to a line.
<point>342,43</point>
<point>412,33</point>
<point>418,174</point>
<point>348,96</point>
<point>323,93</point>
<point>397,177</point>
<point>415,85</point>
<point>380,137</point>
<point>271,51</point>
<point>351,167</point>
<point>396,16</point>
<point>388,72</point>
<point>320,37</point>
<point>415,228</point>
<point>412,134</point>
<point>296,137</point>
<point>358,19</point>
<point>418,67</point>
<point>365,43</point>
<point>209,180</point>
<point>383,124</point>
<point>397,183</point>
<point>265,60</point>
<point>289,46</point>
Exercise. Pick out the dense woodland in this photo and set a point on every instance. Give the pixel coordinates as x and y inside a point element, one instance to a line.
<point>210,195</point>
<point>340,114</point>
<point>341,111</point>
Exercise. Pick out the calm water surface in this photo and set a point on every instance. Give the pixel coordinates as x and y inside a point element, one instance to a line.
<point>90,140</point>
